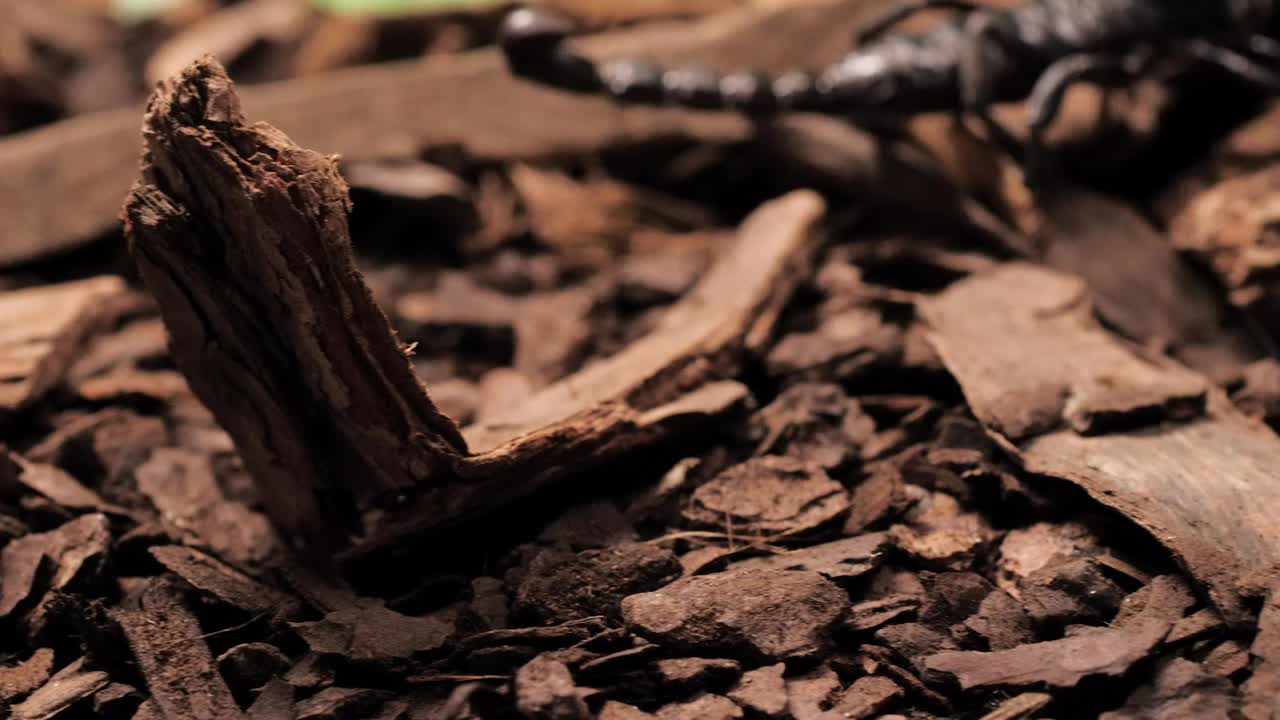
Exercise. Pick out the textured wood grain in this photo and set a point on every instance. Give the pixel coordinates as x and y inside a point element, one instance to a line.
<point>396,108</point>
<point>242,237</point>
<point>1139,433</point>
<point>164,636</point>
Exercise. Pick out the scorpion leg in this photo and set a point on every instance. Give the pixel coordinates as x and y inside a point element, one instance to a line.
<point>1237,64</point>
<point>1045,100</point>
<point>977,80</point>
<point>904,10</point>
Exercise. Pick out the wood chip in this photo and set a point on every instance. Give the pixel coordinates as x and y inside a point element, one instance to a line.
<point>842,559</point>
<point>867,697</point>
<point>1070,592</point>
<point>813,421</point>
<point>1064,663</point>
<point>1226,659</point>
<point>1023,551</point>
<point>166,640</point>
<point>1001,621</point>
<point>227,584</point>
<point>808,694</point>
<point>60,487</point>
<point>1078,375</point>
<point>703,707</point>
<point>766,496</point>
<point>274,702</point>
<point>250,666</point>
<point>592,582</point>
<point>1167,306</point>
<point>227,34</point>
<point>46,327</point>
<point>872,614</point>
<point>341,704</point>
<point>116,700</point>
<point>1197,626</point>
<point>1180,689</point>
<point>545,688</point>
<point>19,679</point>
<point>373,633</point>
<point>1262,690</point>
<point>938,534</point>
<point>736,612</point>
<point>1228,228</point>
<point>1020,707</point>
<point>68,686</point>
<point>112,441</point>
<point>182,487</point>
<point>66,553</point>
<point>763,691</point>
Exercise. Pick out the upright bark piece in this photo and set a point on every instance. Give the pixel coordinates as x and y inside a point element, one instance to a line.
<point>242,237</point>
<point>1139,433</point>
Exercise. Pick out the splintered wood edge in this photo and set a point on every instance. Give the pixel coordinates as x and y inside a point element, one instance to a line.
<point>242,237</point>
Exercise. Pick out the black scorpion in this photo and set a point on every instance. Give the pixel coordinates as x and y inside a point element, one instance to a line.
<point>983,56</point>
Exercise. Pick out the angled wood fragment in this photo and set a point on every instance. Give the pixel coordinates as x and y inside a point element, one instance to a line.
<point>43,330</point>
<point>1139,433</point>
<point>242,237</point>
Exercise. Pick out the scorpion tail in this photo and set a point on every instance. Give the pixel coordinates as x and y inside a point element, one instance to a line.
<point>533,42</point>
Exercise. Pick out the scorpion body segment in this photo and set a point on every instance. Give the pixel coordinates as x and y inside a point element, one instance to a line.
<point>980,57</point>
